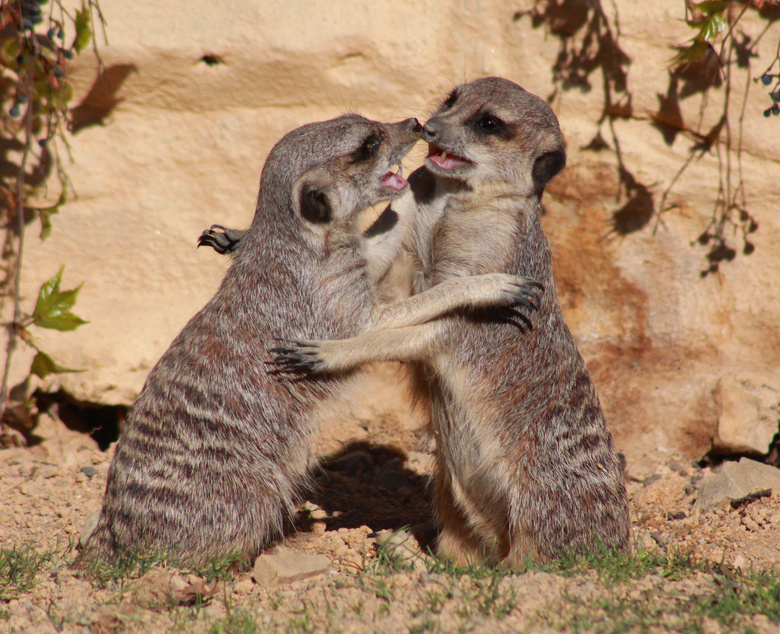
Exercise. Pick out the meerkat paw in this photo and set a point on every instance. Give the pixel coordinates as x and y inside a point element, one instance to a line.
<point>459,549</point>
<point>221,239</point>
<point>298,357</point>
<point>525,292</point>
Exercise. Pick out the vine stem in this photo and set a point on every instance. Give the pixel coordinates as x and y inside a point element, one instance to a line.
<point>13,327</point>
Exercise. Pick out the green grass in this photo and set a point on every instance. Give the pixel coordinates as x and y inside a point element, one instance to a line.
<point>620,602</point>
<point>749,594</point>
<point>18,568</point>
<point>128,566</point>
<point>136,565</point>
<point>236,621</point>
<point>489,599</point>
<point>604,592</point>
<point>616,566</point>
<point>387,559</point>
<point>427,625</point>
<point>222,569</point>
<point>379,586</point>
<point>474,571</point>
<point>302,621</point>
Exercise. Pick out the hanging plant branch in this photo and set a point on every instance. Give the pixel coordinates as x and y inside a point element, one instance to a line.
<point>35,97</point>
<point>703,65</point>
<point>707,63</point>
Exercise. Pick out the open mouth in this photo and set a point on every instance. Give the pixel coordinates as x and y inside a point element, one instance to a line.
<point>444,160</point>
<point>395,181</point>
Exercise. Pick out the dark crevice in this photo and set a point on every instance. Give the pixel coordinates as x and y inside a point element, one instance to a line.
<point>102,422</point>
<point>211,60</point>
<point>715,457</point>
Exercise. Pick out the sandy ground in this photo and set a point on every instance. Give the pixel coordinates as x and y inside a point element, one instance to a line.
<point>47,491</point>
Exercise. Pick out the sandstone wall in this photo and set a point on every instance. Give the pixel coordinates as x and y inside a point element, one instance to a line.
<point>173,138</point>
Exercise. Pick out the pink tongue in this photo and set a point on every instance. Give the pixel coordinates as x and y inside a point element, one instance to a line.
<point>447,163</point>
<point>394,181</point>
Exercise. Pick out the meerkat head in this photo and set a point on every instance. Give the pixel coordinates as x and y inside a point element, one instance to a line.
<point>329,171</point>
<point>492,130</point>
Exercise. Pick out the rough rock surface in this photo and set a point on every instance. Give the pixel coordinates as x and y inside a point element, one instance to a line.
<point>735,480</point>
<point>283,566</point>
<point>173,135</point>
<point>748,416</point>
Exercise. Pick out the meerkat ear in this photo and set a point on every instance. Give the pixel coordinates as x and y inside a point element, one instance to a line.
<point>314,204</point>
<point>314,199</point>
<point>548,165</point>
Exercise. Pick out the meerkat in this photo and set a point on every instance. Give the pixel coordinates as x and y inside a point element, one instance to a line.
<point>214,451</point>
<point>525,466</point>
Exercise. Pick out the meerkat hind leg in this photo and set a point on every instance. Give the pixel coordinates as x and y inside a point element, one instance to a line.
<point>456,540</point>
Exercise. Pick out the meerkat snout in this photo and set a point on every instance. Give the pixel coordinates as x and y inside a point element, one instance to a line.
<point>428,133</point>
<point>414,125</point>
<point>489,131</point>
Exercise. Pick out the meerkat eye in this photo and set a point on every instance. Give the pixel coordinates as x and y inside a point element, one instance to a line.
<point>369,148</point>
<point>490,124</point>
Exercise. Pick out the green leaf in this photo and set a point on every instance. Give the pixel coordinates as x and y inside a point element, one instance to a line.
<point>60,98</point>
<point>45,214</point>
<point>710,7</point>
<point>41,90</point>
<point>83,30</point>
<point>713,27</point>
<point>712,24</point>
<point>43,365</point>
<point>45,217</point>
<point>52,309</point>
<point>10,52</point>
<point>693,53</point>
<point>64,322</point>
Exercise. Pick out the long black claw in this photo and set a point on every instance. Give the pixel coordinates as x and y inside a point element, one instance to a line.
<point>294,345</point>
<point>527,304</point>
<point>221,239</point>
<point>286,368</point>
<point>214,241</point>
<point>531,294</point>
<point>288,358</point>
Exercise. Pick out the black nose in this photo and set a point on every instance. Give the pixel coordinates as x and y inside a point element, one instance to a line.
<point>414,125</point>
<point>428,134</point>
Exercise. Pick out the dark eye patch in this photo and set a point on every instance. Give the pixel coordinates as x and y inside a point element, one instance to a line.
<point>369,148</point>
<point>450,101</point>
<point>486,122</point>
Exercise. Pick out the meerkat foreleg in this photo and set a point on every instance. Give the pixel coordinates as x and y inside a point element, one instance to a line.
<point>492,290</point>
<point>406,330</point>
<point>409,343</point>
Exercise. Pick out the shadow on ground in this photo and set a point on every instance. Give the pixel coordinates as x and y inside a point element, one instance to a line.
<point>371,485</point>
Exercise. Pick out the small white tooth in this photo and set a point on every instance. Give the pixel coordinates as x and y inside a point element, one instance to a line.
<point>400,170</point>
<point>443,156</point>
